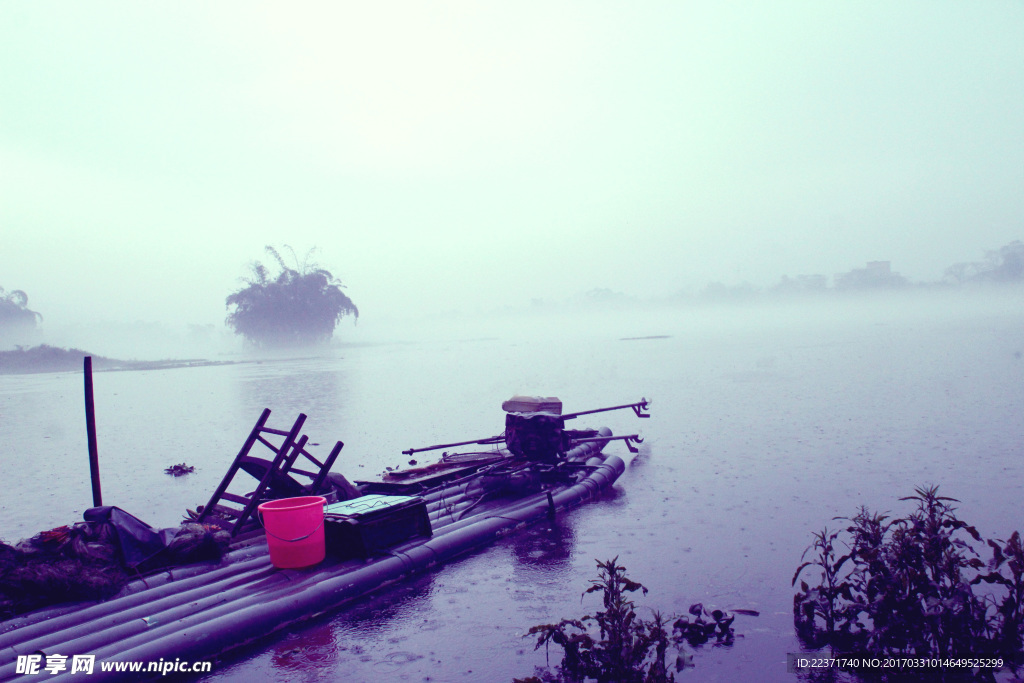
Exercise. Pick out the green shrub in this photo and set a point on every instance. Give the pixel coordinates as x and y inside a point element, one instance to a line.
<point>907,587</point>
<point>626,649</point>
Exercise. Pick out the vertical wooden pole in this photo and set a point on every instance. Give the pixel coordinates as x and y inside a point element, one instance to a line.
<point>90,428</point>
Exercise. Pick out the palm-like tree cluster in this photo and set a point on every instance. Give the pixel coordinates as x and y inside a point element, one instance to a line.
<point>14,312</point>
<point>297,307</point>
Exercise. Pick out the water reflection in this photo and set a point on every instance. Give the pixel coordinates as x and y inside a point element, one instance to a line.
<point>353,637</point>
<point>375,612</point>
<point>314,387</point>
<point>543,548</point>
<point>316,648</point>
<point>321,651</point>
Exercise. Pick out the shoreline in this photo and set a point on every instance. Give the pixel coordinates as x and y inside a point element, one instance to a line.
<point>45,359</point>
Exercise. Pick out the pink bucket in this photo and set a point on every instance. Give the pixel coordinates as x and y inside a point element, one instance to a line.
<point>295,531</point>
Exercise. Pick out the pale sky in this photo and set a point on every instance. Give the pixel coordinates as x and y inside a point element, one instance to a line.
<point>474,155</point>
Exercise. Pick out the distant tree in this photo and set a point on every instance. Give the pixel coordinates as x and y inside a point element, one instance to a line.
<point>14,312</point>
<point>959,273</point>
<point>299,306</point>
<point>720,292</point>
<point>801,284</point>
<point>1005,264</point>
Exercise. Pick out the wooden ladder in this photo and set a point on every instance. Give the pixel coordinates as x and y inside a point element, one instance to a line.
<point>275,476</point>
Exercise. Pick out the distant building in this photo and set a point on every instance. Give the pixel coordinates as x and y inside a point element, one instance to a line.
<point>875,275</point>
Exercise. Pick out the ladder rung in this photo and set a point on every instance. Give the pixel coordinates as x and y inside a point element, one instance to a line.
<point>275,431</point>
<point>241,500</point>
<point>267,443</point>
<point>220,509</point>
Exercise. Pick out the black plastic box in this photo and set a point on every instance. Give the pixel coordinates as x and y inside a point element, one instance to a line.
<point>371,524</point>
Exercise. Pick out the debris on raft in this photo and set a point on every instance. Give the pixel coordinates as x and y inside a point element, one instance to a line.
<point>94,559</point>
<point>180,470</point>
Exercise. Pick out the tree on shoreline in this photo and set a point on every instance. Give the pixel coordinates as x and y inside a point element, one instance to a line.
<point>299,306</point>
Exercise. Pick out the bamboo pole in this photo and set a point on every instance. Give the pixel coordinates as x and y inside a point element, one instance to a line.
<point>90,428</point>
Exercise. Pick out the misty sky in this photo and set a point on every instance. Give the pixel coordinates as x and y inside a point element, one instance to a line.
<point>473,155</point>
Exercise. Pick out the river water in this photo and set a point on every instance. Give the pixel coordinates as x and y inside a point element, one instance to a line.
<point>767,422</point>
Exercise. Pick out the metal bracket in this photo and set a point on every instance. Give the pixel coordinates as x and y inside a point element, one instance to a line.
<point>630,439</point>
<point>641,406</point>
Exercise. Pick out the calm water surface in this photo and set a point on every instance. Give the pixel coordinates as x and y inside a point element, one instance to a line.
<point>767,423</point>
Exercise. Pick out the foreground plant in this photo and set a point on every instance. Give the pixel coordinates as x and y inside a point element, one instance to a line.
<point>907,587</point>
<point>626,649</point>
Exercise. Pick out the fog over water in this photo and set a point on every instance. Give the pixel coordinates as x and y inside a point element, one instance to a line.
<point>767,422</point>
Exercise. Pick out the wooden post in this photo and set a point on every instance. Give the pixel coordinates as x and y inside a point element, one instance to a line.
<point>90,428</point>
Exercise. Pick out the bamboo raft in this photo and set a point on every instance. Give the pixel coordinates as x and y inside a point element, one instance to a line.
<point>201,611</point>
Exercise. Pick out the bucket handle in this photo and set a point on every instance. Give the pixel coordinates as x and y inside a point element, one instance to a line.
<point>259,515</point>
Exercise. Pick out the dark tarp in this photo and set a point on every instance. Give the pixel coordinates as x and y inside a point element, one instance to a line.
<point>137,540</point>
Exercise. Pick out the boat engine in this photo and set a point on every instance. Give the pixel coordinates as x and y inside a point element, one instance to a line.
<point>535,436</point>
